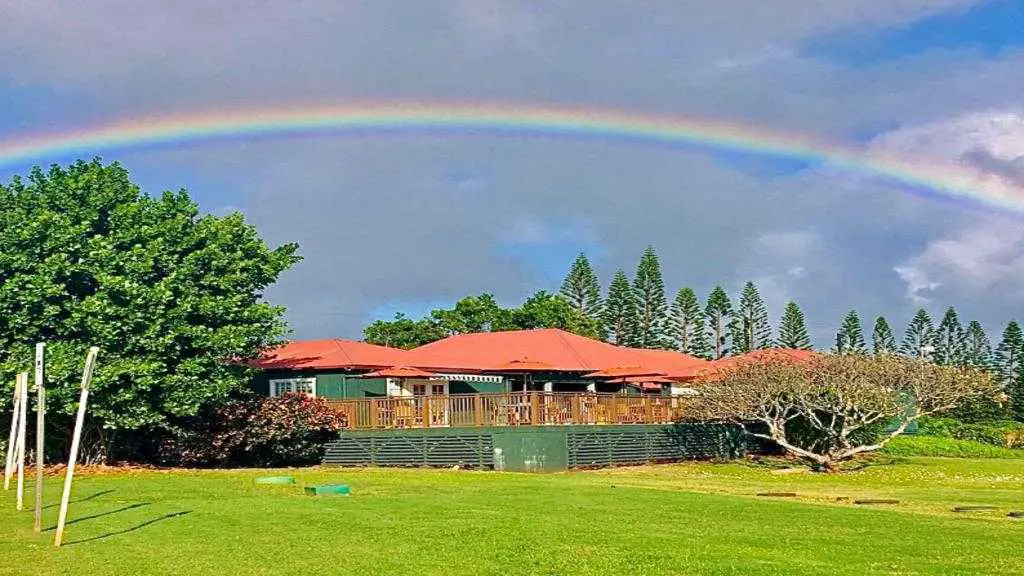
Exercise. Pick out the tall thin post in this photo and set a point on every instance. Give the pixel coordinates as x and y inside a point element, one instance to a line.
<point>40,444</point>
<point>22,425</point>
<point>90,363</point>
<point>12,442</point>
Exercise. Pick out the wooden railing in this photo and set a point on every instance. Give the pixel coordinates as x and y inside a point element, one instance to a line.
<point>509,409</point>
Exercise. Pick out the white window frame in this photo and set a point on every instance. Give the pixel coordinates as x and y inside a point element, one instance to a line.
<point>291,385</point>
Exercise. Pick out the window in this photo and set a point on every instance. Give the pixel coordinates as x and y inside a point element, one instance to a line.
<point>305,386</point>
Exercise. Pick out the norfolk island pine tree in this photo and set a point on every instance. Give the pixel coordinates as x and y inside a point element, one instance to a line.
<point>652,328</point>
<point>717,314</point>
<point>750,328</point>
<point>793,328</point>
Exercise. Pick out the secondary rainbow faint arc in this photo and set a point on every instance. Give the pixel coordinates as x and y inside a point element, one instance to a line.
<point>180,129</point>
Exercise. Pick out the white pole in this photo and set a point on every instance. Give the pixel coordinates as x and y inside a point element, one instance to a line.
<point>22,417</point>
<point>90,363</point>
<point>40,445</point>
<point>12,442</point>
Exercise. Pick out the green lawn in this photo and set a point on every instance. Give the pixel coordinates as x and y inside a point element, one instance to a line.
<point>675,519</point>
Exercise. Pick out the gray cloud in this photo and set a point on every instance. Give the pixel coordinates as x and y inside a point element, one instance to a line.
<point>401,219</point>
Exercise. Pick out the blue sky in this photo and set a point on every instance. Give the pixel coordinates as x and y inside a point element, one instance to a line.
<point>990,27</point>
<point>398,222</point>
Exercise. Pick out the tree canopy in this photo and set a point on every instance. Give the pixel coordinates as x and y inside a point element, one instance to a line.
<point>171,296</point>
<point>838,405</point>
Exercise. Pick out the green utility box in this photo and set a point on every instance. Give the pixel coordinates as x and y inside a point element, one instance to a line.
<point>530,449</point>
<point>330,490</point>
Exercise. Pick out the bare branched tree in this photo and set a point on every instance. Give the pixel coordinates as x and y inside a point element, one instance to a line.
<point>834,407</point>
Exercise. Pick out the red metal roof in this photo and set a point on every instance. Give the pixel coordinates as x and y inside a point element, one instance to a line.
<point>766,355</point>
<point>331,354</point>
<point>513,351</point>
<point>561,350</point>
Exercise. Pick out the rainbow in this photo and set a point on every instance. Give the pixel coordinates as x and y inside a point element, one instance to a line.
<point>955,182</point>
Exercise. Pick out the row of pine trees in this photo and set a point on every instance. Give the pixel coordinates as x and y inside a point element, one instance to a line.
<point>637,313</point>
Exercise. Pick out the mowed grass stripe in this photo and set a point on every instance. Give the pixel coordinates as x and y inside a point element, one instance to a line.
<point>457,522</point>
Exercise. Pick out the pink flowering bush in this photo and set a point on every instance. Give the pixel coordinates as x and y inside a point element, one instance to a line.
<point>288,430</point>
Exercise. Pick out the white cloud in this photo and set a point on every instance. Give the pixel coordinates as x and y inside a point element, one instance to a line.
<point>780,262</point>
<point>917,281</point>
<point>983,258</point>
<point>999,133</point>
<point>981,149</point>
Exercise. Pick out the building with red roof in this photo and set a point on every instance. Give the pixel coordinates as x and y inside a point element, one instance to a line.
<point>543,359</point>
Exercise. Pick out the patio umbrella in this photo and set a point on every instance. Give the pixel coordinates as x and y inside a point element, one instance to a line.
<point>641,380</point>
<point>399,372</point>
<point>623,372</point>
<point>523,366</point>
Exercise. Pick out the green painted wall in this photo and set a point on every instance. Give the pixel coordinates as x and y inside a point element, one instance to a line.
<point>530,449</point>
<point>332,385</point>
<point>339,385</point>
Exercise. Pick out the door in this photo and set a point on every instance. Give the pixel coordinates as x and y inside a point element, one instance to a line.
<point>436,395</point>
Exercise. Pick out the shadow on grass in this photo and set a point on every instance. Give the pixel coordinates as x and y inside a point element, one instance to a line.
<point>130,529</point>
<point>84,499</point>
<point>102,514</point>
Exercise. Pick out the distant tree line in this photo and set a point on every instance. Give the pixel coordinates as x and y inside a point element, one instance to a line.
<point>638,313</point>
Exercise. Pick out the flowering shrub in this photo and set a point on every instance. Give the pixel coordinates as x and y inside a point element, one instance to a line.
<point>283,431</point>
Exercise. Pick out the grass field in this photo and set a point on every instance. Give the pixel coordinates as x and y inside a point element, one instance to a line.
<point>696,518</point>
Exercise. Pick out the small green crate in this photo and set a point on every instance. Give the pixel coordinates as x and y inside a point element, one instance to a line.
<point>329,490</point>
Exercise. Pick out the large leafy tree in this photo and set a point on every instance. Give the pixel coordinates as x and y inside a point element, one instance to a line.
<point>582,289</point>
<point>652,325</point>
<point>544,310</point>
<point>977,349</point>
<point>850,337</point>
<point>750,329</point>
<point>687,322</point>
<point>949,339</point>
<point>403,332</point>
<point>919,339</point>
<point>620,312</point>
<point>882,340</point>
<point>717,314</point>
<point>170,296</point>
<point>472,314</point>
<point>793,328</point>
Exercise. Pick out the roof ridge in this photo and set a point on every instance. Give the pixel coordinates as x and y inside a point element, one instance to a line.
<point>565,342</point>
<point>337,344</point>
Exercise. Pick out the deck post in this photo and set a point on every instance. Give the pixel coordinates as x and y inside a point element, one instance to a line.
<point>574,408</point>
<point>374,413</point>
<point>426,411</point>
<point>534,408</point>
<point>613,408</point>
<point>478,410</point>
<point>648,411</point>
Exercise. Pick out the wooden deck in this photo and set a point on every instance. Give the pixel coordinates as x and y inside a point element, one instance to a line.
<point>509,409</point>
